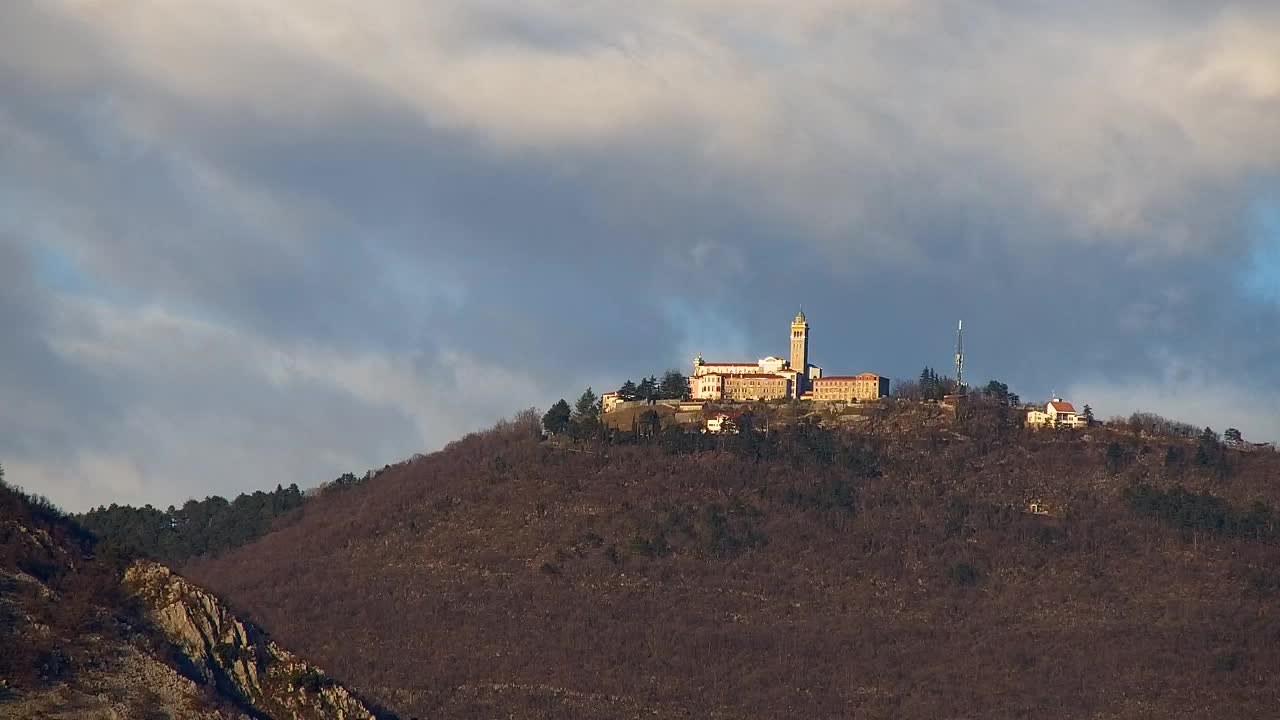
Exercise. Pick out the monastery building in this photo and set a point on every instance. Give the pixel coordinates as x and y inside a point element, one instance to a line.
<point>773,378</point>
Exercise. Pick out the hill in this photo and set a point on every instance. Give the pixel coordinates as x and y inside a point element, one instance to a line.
<point>88,632</point>
<point>895,573</point>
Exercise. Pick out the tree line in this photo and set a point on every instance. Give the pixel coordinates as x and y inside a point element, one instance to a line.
<point>199,527</point>
<point>674,385</point>
<point>1202,512</point>
<point>929,386</point>
<point>583,419</point>
<point>580,422</point>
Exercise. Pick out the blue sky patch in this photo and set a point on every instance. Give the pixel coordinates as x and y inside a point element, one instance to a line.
<point>1262,274</point>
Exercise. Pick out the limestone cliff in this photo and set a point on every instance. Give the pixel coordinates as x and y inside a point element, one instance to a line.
<point>235,656</point>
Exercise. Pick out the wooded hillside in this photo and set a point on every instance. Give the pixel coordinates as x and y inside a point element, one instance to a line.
<point>805,574</point>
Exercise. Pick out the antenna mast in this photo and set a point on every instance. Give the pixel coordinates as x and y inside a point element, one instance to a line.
<point>960,357</point>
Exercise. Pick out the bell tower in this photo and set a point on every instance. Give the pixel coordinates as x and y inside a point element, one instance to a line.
<point>800,351</point>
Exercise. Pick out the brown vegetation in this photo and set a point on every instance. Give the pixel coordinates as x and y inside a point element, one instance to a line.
<point>503,577</point>
<point>54,594</point>
<point>77,642</point>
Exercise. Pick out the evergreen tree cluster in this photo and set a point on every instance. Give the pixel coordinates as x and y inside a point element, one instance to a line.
<point>674,385</point>
<point>580,422</point>
<point>999,392</point>
<point>934,386</point>
<point>1211,453</point>
<point>929,386</point>
<point>199,527</point>
<point>1203,512</point>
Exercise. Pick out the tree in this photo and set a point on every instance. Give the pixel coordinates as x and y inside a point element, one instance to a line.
<point>1209,451</point>
<point>906,390</point>
<point>556,421</point>
<point>996,390</point>
<point>1088,415</point>
<point>587,408</point>
<point>928,379</point>
<point>1232,436</point>
<point>647,388</point>
<point>674,386</point>
<point>1115,457</point>
<point>999,392</point>
<point>934,386</point>
<point>628,391</point>
<point>650,423</point>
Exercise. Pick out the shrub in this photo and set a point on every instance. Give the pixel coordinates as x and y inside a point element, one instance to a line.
<point>55,664</point>
<point>1116,457</point>
<point>832,494</point>
<point>650,547</point>
<point>613,554</point>
<point>229,654</point>
<point>963,574</point>
<point>1228,662</point>
<point>311,680</point>
<point>1263,582</point>
<point>726,538</point>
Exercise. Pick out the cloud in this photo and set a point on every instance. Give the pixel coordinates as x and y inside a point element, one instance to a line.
<point>1191,395</point>
<point>1117,130</point>
<point>243,244</point>
<point>224,408</point>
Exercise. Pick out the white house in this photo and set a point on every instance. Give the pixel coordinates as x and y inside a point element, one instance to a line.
<point>1056,413</point>
<point>609,402</point>
<point>719,423</point>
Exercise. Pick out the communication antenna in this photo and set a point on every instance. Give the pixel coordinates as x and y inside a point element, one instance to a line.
<point>960,357</point>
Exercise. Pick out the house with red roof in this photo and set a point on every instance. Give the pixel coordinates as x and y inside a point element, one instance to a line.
<point>1057,413</point>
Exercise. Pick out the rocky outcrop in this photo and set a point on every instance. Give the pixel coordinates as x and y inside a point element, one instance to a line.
<point>131,685</point>
<point>235,656</point>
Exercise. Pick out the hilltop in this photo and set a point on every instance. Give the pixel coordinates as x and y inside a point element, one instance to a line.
<point>899,567</point>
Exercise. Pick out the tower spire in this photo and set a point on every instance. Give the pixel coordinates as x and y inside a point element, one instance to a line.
<point>800,353</point>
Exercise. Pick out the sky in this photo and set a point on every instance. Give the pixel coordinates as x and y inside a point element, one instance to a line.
<point>248,243</point>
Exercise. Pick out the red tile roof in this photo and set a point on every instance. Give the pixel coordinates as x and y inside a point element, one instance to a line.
<point>731,364</point>
<point>863,376</point>
<point>1063,406</point>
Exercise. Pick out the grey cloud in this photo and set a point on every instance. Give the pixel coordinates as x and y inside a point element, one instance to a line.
<point>347,256</point>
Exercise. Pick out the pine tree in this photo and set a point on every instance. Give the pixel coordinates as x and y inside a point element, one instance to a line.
<point>1208,450</point>
<point>674,386</point>
<point>648,388</point>
<point>628,391</point>
<point>587,408</point>
<point>556,421</point>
